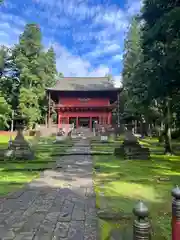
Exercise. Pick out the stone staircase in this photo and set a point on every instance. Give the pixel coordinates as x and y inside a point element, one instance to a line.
<point>81,132</point>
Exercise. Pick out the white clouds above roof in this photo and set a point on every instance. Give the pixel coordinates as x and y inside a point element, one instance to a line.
<point>87,36</point>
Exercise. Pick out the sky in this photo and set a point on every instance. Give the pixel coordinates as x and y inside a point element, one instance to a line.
<point>87,35</point>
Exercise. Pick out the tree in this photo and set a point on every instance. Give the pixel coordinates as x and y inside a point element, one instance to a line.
<point>161,50</point>
<point>48,63</point>
<point>3,59</point>
<point>26,63</point>
<point>35,69</point>
<point>110,77</point>
<point>4,112</point>
<point>26,70</point>
<point>59,75</point>
<point>133,83</point>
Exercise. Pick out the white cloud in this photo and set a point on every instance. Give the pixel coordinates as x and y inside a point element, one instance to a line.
<point>9,34</point>
<point>117,57</point>
<point>104,49</point>
<point>133,6</point>
<point>82,21</point>
<point>11,26</point>
<point>112,48</point>
<point>12,19</point>
<point>115,18</point>
<point>72,65</point>
<point>118,81</point>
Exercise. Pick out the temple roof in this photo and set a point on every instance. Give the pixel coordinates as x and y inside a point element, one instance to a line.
<point>83,84</point>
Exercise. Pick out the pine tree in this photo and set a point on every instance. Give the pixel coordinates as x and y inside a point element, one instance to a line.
<point>161,50</point>
<point>48,64</point>
<point>132,82</point>
<point>25,71</point>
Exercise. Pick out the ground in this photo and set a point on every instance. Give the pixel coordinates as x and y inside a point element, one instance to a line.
<point>119,184</point>
<point>59,204</point>
<point>14,174</point>
<point>62,197</point>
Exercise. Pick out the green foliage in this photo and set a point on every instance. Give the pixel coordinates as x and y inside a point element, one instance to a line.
<point>161,44</point>
<point>59,75</point>
<point>4,112</point>
<point>161,51</point>
<point>135,87</point>
<point>29,106</point>
<point>25,71</point>
<point>3,56</point>
<point>152,64</point>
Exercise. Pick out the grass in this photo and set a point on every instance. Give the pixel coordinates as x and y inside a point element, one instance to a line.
<point>119,184</point>
<point>15,174</point>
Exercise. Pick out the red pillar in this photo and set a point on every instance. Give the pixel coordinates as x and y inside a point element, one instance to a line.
<point>59,120</point>
<point>176,213</point>
<point>67,126</point>
<point>90,123</point>
<point>77,122</point>
<point>175,229</point>
<point>109,118</point>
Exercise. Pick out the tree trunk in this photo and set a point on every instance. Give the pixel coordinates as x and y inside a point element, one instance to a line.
<point>150,127</point>
<point>161,133</point>
<point>141,128</point>
<point>144,127</point>
<point>167,130</point>
<point>135,127</point>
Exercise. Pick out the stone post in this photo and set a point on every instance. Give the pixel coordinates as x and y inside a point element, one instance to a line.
<point>141,226</point>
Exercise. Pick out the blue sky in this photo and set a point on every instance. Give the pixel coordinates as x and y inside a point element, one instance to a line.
<point>87,35</point>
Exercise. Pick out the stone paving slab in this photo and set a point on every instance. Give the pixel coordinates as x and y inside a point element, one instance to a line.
<point>60,204</point>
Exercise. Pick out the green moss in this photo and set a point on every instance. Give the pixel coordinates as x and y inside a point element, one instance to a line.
<point>16,174</point>
<point>119,184</point>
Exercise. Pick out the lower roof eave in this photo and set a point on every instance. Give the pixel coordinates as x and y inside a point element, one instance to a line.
<point>89,90</point>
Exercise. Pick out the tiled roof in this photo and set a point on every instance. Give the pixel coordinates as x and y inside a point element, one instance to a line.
<point>83,84</point>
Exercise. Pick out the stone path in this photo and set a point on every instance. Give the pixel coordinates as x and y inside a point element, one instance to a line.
<point>60,205</point>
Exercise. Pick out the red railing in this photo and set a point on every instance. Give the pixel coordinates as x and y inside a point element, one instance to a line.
<point>85,107</point>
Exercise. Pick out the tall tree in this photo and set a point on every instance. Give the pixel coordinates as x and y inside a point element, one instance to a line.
<point>26,58</point>
<point>5,108</point>
<point>25,71</point>
<point>133,84</point>
<point>48,64</point>
<point>161,50</point>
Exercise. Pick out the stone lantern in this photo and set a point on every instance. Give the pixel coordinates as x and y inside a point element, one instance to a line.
<point>130,148</point>
<point>19,148</point>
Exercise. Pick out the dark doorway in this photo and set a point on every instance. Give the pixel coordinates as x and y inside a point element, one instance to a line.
<point>72,120</point>
<point>84,122</point>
